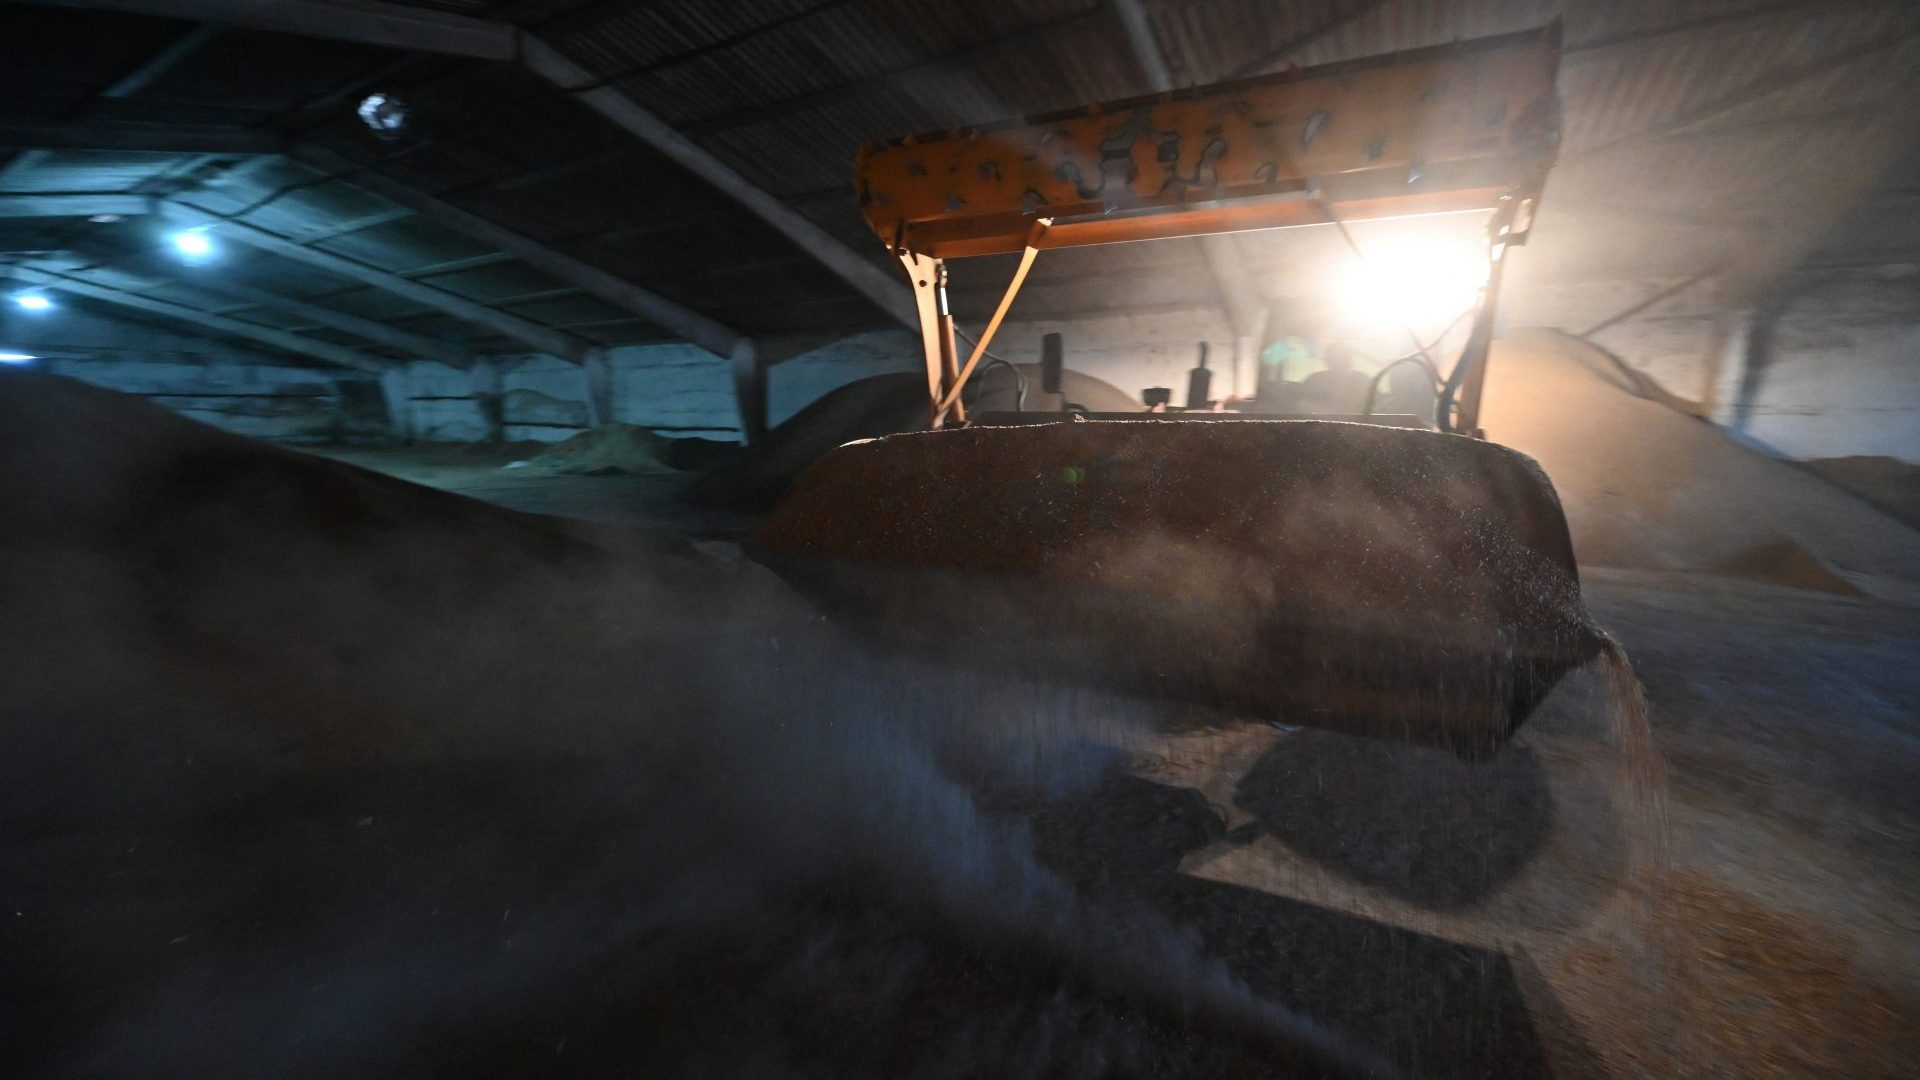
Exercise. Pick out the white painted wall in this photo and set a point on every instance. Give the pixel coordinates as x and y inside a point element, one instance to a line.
<point>674,389</point>
<point>440,403</point>
<point>545,399</point>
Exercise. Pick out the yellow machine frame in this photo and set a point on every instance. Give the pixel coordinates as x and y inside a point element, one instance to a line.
<point>1469,126</point>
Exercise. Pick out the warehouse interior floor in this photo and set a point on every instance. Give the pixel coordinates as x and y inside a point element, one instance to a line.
<point>1758,919</point>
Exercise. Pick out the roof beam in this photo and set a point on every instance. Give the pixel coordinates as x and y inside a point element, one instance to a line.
<point>326,351</point>
<point>137,136</point>
<point>455,266</point>
<point>886,291</point>
<point>71,204</point>
<point>405,342</point>
<point>363,21</point>
<point>125,87</point>
<point>94,332</point>
<point>354,225</point>
<point>709,334</point>
<point>534,335</point>
<point>133,82</point>
<point>374,22</point>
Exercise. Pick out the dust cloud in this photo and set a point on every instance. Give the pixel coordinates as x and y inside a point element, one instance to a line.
<point>310,772</point>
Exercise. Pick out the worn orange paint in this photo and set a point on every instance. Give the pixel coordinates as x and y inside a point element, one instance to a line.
<point>1405,133</point>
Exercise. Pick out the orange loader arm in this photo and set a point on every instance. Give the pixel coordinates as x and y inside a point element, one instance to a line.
<point>1453,127</point>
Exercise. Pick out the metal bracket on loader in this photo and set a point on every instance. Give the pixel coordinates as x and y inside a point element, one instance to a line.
<point>1511,224</point>
<point>946,377</point>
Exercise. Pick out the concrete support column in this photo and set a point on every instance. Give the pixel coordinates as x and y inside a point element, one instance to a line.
<point>749,389</point>
<point>397,389</point>
<point>597,373</point>
<point>484,384</point>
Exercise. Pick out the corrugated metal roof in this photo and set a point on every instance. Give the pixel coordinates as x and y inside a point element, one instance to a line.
<point>1628,90</point>
<point>297,70</point>
<point>1671,109</point>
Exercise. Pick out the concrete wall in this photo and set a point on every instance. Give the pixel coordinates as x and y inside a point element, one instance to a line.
<point>283,403</point>
<point>1825,367</point>
<point>1664,327</point>
<point>798,381</point>
<point>439,403</point>
<point>1821,360</point>
<point>678,390</point>
<point>1833,368</point>
<point>1826,364</point>
<point>1130,351</point>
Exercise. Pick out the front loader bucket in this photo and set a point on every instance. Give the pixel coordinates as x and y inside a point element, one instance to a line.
<point>1386,582</point>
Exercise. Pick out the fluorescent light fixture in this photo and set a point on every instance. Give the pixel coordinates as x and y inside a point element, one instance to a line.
<point>32,301</point>
<point>193,245</point>
<point>17,358</point>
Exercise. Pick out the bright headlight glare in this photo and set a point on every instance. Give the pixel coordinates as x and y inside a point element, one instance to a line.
<point>1422,286</point>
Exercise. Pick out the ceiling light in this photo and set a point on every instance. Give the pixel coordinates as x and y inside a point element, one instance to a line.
<point>193,245</point>
<point>17,358</point>
<point>384,115</point>
<point>32,301</point>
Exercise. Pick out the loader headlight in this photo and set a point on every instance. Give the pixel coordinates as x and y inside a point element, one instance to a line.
<point>1413,284</point>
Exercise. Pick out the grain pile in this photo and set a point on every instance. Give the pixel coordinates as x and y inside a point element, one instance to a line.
<point>1646,487</point>
<point>611,449</point>
<point>313,772</point>
<point>1772,990</point>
